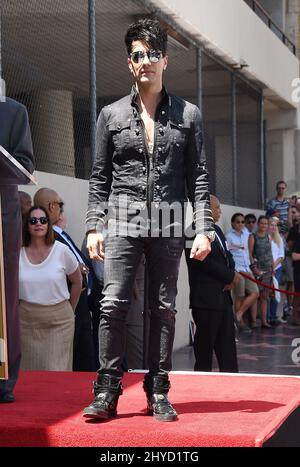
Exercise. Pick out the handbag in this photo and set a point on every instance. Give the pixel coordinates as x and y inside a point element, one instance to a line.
<point>275,292</point>
<point>255,270</point>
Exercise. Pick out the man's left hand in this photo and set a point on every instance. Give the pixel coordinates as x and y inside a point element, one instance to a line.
<point>236,280</point>
<point>83,268</point>
<point>201,248</point>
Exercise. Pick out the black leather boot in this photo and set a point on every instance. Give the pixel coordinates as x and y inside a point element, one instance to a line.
<point>107,390</point>
<point>7,397</point>
<point>158,405</point>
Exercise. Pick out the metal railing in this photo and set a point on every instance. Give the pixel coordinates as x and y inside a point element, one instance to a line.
<point>265,17</point>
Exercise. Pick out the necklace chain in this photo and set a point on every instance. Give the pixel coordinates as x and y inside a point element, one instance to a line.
<point>148,142</point>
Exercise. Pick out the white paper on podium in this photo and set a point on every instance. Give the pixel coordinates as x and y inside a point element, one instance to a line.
<point>13,162</point>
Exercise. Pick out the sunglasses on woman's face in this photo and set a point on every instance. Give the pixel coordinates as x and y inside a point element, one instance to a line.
<point>34,220</point>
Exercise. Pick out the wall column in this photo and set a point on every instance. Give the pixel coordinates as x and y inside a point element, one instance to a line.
<point>282,161</point>
<point>52,126</point>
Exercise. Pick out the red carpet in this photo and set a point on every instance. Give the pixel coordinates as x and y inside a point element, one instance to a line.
<point>214,410</point>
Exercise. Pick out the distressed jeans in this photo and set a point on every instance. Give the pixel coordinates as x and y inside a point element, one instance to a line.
<point>122,258</point>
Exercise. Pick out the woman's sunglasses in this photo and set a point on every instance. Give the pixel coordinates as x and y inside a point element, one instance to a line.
<point>34,220</point>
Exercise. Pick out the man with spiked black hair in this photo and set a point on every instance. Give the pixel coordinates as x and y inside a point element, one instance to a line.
<point>150,156</point>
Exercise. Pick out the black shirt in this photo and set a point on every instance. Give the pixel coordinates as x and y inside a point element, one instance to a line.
<point>294,237</point>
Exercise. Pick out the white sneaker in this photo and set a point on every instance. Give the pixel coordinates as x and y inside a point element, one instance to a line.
<point>283,321</point>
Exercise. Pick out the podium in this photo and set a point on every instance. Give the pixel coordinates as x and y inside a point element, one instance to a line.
<point>11,173</point>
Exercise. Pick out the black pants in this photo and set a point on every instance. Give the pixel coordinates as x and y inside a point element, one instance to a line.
<point>122,258</point>
<point>83,349</point>
<point>94,305</point>
<point>215,332</point>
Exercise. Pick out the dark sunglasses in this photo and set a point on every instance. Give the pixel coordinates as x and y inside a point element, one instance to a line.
<point>251,222</point>
<point>60,203</point>
<point>139,56</point>
<point>34,220</point>
<point>240,222</point>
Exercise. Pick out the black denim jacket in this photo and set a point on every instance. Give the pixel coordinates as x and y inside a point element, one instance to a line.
<point>174,172</point>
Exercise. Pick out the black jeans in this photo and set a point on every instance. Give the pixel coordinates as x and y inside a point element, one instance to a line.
<point>122,258</point>
<point>215,332</point>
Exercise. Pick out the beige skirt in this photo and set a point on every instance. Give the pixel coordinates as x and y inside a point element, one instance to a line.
<point>47,333</point>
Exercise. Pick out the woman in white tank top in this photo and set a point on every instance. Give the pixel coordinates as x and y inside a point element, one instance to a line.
<point>47,303</point>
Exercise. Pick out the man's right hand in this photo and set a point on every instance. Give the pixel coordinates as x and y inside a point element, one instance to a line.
<point>235,281</point>
<point>95,246</point>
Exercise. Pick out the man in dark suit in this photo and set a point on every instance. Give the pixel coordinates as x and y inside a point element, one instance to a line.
<point>210,283</point>
<point>83,349</point>
<point>15,137</point>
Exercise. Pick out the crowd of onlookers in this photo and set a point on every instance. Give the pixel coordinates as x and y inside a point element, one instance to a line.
<point>267,251</point>
<point>60,287</point>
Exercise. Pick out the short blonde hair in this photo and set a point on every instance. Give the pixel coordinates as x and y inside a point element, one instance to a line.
<point>276,237</point>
